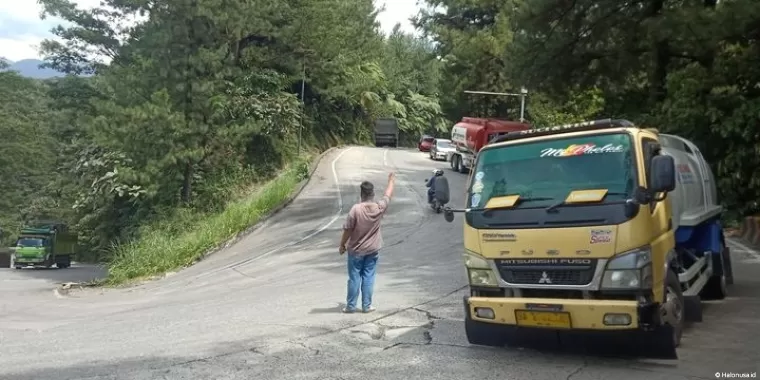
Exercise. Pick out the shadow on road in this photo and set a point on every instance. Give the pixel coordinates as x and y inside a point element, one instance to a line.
<point>75,273</point>
<point>329,310</point>
<point>368,352</point>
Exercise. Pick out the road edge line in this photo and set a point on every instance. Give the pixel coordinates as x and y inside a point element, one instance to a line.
<point>338,212</point>
<point>265,218</point>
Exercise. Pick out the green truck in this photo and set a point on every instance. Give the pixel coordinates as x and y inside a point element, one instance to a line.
<point>44,245</point>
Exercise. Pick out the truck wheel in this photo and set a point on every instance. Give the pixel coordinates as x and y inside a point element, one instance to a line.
<point>455,163</point>
<point>729,268</point>
<point>672,308</point>
<point>716,287</point>
<point>462,168</point>
<point>63,262</point>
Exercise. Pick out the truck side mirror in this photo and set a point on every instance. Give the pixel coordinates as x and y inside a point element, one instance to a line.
<point>448,215</point>
<point>662,174</point>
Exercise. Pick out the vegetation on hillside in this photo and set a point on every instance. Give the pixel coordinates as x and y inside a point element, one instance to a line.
<point>685,67</point>
<point>190,114</point>
<point>187,109</point>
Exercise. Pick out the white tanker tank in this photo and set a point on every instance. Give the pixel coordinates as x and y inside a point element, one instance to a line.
<point>695,198</point>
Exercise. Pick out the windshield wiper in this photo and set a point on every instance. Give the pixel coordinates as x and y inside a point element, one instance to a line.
<point>562,203</point>
<point>554,206</point>
<point>519,200</point>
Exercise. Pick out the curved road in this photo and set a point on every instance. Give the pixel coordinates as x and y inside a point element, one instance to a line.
<point>268,307</point>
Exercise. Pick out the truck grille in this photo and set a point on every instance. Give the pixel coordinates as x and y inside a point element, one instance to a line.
<point>547,271</point>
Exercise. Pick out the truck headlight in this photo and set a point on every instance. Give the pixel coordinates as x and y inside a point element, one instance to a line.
<point>629,270</point>
<point>479,272</point>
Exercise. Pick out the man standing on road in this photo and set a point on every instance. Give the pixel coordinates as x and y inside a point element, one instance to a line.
<point>362,239</point>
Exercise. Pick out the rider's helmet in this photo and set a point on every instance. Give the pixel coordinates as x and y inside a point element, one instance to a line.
<point>438,172</point>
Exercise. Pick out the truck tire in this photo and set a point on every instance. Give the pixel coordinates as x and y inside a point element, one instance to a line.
<point>455,163</point>
<point>462,168</point>
<point>672,307</point>
<point>63,262</point>
<point>729,269</point>
<point>716,287</point>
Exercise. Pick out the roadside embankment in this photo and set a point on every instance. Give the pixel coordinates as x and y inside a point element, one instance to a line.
<point>749,231</point>
<point>189,237</point>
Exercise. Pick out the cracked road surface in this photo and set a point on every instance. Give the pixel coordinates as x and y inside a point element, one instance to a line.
<point>268,306</point>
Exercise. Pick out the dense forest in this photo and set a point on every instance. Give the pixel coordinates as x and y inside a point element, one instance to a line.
<point>195,119</point>
<point>196,105</point>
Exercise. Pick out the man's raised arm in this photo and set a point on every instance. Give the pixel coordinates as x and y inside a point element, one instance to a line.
<point>391,182</point>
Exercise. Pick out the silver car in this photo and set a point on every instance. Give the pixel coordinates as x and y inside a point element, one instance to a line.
<point>440,149</point>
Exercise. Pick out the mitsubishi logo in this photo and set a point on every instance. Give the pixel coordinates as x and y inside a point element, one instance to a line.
<point>544,279</point>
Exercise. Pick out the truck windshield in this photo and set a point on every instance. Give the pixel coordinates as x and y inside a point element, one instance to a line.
<point>29,242</point>
<point>545,172</point>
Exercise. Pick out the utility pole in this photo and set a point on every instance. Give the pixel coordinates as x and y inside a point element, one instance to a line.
<point>522,94</point>
<point>303,104</point>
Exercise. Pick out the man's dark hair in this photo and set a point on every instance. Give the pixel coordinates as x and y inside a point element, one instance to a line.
<point>367,190</point>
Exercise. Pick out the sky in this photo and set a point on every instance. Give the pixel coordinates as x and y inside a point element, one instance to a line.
<point>22,30</point>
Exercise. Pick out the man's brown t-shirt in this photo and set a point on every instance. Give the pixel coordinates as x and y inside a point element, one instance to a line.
<point>364,221</point>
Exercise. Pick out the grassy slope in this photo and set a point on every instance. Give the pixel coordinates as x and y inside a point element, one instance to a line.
<point>181,240</point>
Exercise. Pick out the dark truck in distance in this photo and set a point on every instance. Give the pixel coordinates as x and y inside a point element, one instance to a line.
<point>386,132</point>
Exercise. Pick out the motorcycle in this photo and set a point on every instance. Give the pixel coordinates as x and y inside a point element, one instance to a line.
<point>436,205</point>
<point>441,194</point>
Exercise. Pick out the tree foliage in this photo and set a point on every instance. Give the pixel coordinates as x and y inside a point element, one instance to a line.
<point>687,67</point>
<point>192,100</point>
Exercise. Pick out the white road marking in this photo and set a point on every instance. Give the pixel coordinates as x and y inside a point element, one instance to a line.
<point>752,252</point>
<point>324,227</point>
<point>385,157</point>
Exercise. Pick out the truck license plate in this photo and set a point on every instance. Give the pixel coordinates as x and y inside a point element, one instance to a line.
<point>543,319</point>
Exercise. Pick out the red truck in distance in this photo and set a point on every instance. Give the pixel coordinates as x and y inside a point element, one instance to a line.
<point>471,134</point>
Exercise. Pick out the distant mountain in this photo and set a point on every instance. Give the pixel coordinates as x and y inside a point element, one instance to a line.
<point>30,68</point>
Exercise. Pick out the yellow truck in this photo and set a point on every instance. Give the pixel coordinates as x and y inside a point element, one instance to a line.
<point>591,232</point>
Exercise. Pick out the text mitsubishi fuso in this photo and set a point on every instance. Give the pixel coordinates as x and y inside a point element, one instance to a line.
<point>591,232</point>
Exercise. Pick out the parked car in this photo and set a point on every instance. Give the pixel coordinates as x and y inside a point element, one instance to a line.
<point>425,143</point>
<point>440,149</point>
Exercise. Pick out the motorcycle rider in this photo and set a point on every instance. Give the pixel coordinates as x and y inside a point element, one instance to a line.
<point>431,184</point>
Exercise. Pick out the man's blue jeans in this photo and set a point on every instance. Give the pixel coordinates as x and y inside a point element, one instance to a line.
<point>361,276</point>
<point>430,193</point>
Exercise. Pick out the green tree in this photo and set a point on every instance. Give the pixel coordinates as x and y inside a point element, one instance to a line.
<point>204,94</point>
<point>26,156</point>
<point>686,67</point>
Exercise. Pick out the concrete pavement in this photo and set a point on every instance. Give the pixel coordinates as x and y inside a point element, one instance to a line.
<point>268,307</point>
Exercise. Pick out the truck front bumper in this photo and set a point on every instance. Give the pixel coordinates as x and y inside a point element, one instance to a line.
<point>29,260</point>
<point>574,325</point>
<point>555,313</point>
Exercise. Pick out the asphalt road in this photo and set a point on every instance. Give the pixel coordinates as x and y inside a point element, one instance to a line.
<point>268,306</point>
